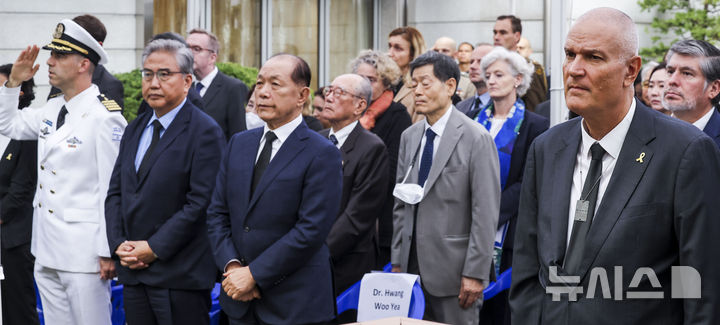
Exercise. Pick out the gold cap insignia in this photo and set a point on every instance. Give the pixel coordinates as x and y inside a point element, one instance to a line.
<point>59,31</point>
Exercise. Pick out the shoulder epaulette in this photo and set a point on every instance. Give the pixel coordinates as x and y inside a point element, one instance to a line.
<point>110,104</point>
<point>51,96</point>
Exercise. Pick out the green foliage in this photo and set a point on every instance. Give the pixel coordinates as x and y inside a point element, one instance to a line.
<point>683,18</point>
<point>132,81</point>
<point>246,74</point>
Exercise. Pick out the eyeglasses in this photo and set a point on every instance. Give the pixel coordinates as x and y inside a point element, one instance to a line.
<point>198,49</point>
<point>162,74</point>
<point>337,92</point>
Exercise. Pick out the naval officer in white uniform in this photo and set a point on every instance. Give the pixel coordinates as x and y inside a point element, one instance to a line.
<point>78,137</point>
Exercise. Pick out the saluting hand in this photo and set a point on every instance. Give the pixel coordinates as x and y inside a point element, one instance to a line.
<point>23,68</point>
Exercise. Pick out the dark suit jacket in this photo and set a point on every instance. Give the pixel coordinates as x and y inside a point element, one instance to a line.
<point>389,127</point>
<point>167,204</point>
<point>18,178</point>
<point>365,177</point>
<point>532,126</point>
<point>280,229</point>
<point>712,128</point>
<point>225,101</point>
<point>658,213</point>
<point>106,82</point>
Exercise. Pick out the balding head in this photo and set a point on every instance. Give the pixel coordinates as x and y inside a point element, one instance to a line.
<point>600,66</point>
<point>445,45</point>
<point>346,99</point>
<point>617,23</point>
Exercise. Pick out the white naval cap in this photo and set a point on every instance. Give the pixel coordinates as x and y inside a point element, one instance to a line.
<point>69,37</point>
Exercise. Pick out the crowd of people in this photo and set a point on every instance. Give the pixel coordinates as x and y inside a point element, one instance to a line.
<point>438,162</point>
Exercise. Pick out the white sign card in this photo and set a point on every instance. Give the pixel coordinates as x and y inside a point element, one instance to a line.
<point>385,295</point>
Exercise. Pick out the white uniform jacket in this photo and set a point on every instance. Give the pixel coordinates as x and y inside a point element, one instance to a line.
<point>74,167</point>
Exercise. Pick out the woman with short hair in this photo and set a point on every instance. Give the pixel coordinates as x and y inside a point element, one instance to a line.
<point>387,119</point>
<point>508,76</point>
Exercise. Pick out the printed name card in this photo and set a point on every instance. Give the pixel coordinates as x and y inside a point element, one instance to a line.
<point>385,295</point>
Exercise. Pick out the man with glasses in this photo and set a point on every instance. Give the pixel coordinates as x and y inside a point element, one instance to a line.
<point>159,193</point>
<point>365,177</point>
<point>78,137</point>
<point>446,215</point>
<point>223,96</point>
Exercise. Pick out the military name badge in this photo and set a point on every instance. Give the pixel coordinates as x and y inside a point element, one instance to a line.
<point>73,142</point>
<point>117,133</point>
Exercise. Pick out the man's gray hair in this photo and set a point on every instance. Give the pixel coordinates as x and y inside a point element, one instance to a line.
<point>708,54</point>
<point>364,89</point>
<point>518,66</point>
<point>183,55</point>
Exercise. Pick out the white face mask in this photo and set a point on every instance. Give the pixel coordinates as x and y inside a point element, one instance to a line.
<point>409,193</point>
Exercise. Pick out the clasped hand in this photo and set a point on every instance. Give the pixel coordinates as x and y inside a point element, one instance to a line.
<point>239,283</point>
<point>135,255</point>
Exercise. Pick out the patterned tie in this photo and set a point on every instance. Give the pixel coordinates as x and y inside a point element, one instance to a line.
<point>333,139</point>
<point>61,118</point>
<point>264,159</point>
<point>427,157</point>
<point>578,238</point>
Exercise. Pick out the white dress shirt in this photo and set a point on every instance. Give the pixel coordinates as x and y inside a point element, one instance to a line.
<point>438,128</point>
<point>612,143</point>
<point>703,121</point>
<point>343,133</point>
<point>282,134</point>
<point>4,142</point>
<point>207,81</point>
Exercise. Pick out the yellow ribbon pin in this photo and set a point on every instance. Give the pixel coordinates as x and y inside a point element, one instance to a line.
<point>640,158</point>
<point>9,156</point>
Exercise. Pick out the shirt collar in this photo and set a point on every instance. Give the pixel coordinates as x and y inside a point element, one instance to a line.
<point>439,126</point>
<point>343,133</point>
<point>209,78</point>
<point>703,121</point>
<point>166,119</point>
<point>75,104</point>
<point>284,131</point>
<point>484,98</point>
<point>613,141</point>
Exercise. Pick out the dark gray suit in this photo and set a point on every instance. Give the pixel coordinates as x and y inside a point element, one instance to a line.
<point>659,211</point>
<point>224,101</point>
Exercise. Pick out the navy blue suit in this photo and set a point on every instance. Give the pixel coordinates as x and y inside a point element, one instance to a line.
<point>712,128</point>
<point>279,230</point>
<point>166,205</point>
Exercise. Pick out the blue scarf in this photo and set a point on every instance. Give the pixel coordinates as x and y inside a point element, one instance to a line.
<point>505,139</point>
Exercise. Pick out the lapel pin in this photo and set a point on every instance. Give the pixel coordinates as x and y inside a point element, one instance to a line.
<point>640,158</point>
<point>9,156</point>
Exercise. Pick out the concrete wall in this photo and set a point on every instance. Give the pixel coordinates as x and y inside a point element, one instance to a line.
<point>26,22</point>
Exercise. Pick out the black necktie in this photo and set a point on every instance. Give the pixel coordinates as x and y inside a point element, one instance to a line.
<point>157,128</point>
<point>478,103</point>
<point>264,159</point>
<point>61,118</point>
<point>578,238</point>
<point>333,139</point>
<point>427,156</point>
